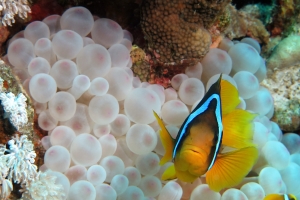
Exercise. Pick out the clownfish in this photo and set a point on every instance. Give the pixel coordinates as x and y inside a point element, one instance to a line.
<point>280,197</point>
<point>197,148</point>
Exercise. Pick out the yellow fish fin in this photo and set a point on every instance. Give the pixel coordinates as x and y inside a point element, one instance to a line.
<point>238,129</point>
<point>169,173</point>
<point>166,139</point>
<point>229,97</point>
<point>280,197</point>
<point>230,168</point>
<point>292,197</point>
<point>274,197</point>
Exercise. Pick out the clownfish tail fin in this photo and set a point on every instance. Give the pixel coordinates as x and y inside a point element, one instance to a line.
<point>166,139</point>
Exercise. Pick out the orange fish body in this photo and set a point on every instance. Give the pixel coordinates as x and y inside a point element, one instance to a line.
<point>197,149</point>
<point>212,123</point>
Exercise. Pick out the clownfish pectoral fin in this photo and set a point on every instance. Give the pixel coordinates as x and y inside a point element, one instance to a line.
<point>280,197</point>
<point>230,168</point>
<point>166,139</point>
<point>169,173</point>
<point>229,97</point>
<point>238,129</point>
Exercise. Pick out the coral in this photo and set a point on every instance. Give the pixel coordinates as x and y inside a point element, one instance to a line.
<point>10,8</point>
<point>286,18</point>
<point>140,64</point>
<point>137,108</point>
<point>244,23</point>
<point>15,108</point>
<point>1,84</point>
<point>180,33</point>
<point>43,187</point>
<point>284,86</point>
<point>285,54</point>
<point>7,186</point>
<point>44,8</point>
<point>4,33</point>
<point>17,163</point>
<point>261,11</point>
<point>176,30</point>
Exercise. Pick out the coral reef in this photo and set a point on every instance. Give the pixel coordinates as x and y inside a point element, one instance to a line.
<point>244,23</point>
<point>43,187</point>
<point>285,54</point>
<point>140,64</point>
<point>10,8</point>
<point>17,163</point>
<point>17,166</point>
<point>173,48</point>
<point>11,84</point>
<point>15,108</point>
<point>43,8</point>
<point>176,30</point>
<point>3,34</point>
<point>286,18</point>
<point>261,11</point>
<point>285,88</point>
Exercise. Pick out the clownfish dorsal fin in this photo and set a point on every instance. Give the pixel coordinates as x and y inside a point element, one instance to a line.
<point>238,129</point>
<point>166,139</point>
<point>237,123</point>
<point>229,96</point>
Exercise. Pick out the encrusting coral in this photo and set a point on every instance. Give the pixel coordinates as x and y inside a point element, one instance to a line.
<point>284,86</point>
<point>186,41</point>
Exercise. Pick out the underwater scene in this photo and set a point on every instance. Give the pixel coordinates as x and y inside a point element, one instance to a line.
<point>150,100</point>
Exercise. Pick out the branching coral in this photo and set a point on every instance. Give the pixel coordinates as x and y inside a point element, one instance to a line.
<point>43,188</point>
<point>17,163</point>
<point>10,8</point>
<point>15,108</point>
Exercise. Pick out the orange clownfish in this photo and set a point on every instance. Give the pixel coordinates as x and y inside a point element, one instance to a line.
<point>280,197</point>
<point>197,148</point>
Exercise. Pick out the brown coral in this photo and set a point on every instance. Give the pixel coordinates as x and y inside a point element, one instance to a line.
<point>286,18</point>
<point>245,23</point>
<point>176,29</point>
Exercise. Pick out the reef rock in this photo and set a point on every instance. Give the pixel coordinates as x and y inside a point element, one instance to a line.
<point>286,53</point>
<point>284,84</point>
